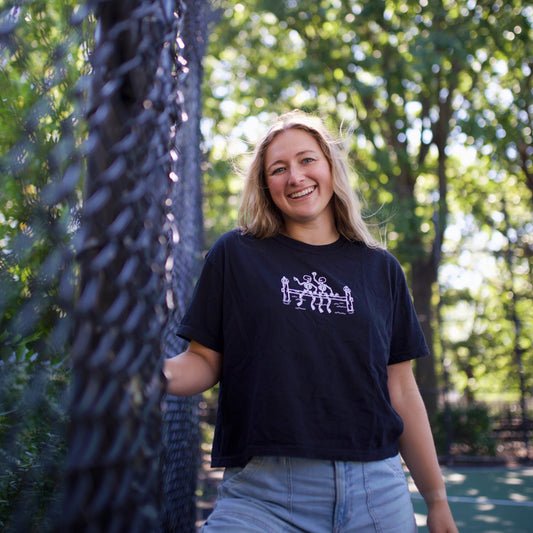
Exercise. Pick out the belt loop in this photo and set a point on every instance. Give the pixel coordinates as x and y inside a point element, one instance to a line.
<point>288,474</point>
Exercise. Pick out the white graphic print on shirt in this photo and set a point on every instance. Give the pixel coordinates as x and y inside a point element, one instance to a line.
<point>316,293</point>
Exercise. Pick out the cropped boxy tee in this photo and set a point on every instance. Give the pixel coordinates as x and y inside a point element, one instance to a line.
<point>306,333</point>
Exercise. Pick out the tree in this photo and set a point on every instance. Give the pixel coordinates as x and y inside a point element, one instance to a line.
<point>495,124</point>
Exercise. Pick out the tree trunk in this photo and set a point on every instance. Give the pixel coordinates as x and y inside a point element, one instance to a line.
<point>424,274</point>
<point>425,269</point>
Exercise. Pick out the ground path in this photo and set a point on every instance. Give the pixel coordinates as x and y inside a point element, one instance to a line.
<point>487,499</point>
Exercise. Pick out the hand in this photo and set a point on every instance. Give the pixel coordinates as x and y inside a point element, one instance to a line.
<point>440,519</point>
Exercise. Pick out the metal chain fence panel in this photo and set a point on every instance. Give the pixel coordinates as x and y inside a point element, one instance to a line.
<point>43,73</point>
<point>85,294</point>
<point>182,434</point>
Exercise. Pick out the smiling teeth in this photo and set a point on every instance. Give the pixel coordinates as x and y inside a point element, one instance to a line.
<point>305,192</point>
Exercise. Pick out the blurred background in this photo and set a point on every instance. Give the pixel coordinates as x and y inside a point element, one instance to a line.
<point>434,104</point>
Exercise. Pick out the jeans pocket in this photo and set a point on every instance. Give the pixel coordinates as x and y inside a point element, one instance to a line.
<point>395,466</point>
<point>238,474</point>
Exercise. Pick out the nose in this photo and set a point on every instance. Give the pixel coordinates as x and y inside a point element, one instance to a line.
<point>295,175</point>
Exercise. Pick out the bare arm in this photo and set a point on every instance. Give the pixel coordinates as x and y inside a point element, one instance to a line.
<point>417,447</point>
<point>193,371</point>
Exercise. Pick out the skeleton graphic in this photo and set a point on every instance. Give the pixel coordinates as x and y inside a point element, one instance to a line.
<point>325,293</point>
<point>321,296</point>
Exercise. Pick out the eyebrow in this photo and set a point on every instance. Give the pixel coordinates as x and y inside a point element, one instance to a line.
<point>300,153</point>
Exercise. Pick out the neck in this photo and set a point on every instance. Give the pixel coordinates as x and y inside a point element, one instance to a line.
<point>316,235</point>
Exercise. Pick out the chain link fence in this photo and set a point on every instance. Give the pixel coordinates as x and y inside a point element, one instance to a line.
<point>92,104</point>
<point>181,414</point>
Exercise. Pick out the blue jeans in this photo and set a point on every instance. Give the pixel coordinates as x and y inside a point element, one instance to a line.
<point>286,494</point>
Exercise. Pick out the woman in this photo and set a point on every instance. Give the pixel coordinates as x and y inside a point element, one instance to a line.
<point>309,327</point>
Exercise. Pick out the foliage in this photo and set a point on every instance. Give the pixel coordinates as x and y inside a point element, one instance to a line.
<point>43,62</point>
<point>32,432</point>
<point>486,280</point>
<point>471,430</point>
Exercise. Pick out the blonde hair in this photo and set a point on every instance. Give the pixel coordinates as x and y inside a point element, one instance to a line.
<point>259,215</point>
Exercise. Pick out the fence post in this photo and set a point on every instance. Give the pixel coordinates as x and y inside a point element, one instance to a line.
<point>115,445</point>
<point>180,415</point>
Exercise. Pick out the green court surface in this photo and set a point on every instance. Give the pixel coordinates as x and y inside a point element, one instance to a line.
<point>486,499</point>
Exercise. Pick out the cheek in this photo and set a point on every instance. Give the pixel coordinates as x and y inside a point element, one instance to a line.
<point>275,188</point>
<point>270,192</point>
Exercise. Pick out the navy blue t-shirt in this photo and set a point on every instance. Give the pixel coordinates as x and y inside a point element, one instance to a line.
<point>306,333</point>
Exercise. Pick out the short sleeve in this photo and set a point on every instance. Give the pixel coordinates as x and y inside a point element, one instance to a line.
<point>202,321</point>
<point>407,339</point>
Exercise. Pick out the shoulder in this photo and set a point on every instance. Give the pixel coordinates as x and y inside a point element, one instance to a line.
<point>388,258</point>
<point>379,264</point>
<point>391,264</point>
<point>374,255</point>
<point>234,237</point>
<point>226,239</point>
<point>232,242</point>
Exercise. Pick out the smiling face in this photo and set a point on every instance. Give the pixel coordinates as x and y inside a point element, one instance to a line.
<point>298,177</point>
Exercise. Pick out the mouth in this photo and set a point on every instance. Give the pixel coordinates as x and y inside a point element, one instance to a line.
<point>304,192</point>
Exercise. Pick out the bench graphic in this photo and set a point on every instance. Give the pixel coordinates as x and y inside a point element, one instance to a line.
<point>318,294</point>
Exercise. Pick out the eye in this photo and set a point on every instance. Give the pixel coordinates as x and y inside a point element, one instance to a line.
<point>278,170</point>
<point>307,160</point>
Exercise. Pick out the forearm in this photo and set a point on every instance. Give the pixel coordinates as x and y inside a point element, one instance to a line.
<point>191,373</point>
<point>417,447</point>
<point>418,450</point>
